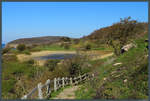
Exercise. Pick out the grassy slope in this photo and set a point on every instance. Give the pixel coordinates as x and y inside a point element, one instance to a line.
<point>52,48</point>
<point>134,70</point>
<point>12,71</point>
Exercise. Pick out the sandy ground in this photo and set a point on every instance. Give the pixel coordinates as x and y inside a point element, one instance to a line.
<point>68,93</point>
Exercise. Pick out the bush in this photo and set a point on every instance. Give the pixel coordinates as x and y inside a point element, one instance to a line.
<point>75,65</point>
<point>51,64</point>
<point>88,47</point>
<point>21,47</point>
<point>31,62</point>
<point>5,50</point>
<point>8,85</point>
<point>65,39</point>
<point>66,46</point>
<point>27,52</point>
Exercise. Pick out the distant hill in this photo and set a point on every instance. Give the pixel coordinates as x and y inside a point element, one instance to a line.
<point>36,40</point>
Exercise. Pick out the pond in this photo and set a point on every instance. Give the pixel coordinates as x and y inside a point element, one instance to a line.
<point>55,56</point>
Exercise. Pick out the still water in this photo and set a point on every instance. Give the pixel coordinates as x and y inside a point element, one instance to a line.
<point>55,56</point>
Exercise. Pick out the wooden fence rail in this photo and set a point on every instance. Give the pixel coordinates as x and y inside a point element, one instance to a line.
<point>57,84</point>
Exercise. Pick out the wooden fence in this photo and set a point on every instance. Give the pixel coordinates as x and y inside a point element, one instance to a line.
<point>54,85</point>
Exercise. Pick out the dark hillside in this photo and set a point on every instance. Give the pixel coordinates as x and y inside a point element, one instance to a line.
<point>37,40</point>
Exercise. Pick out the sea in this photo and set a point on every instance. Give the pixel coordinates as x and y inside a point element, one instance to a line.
<point>3,45</point>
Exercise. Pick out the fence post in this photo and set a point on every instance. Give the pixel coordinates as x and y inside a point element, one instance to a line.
<point>40,91</point>
<point>66,81</point>
<point>48,87</point>
<point>92,76</point>
<point>85,76</point>
<point>58,80</point>
<point>70,81</point>
<point>75,80</point>
<point>63,82</point>
<point>55,84</point>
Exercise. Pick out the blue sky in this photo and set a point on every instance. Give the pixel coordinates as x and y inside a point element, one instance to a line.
<point>73,19</point>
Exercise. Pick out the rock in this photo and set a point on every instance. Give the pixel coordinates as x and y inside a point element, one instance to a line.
<point>113,72</point>
<point>117,64</point>
<point>104,79</point>
<point>127,47</point>
<point>125,80</point>
<point>117,76</point>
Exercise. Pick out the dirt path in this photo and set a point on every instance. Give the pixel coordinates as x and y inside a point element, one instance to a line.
<point>68,93</point>
<point>102,56</point>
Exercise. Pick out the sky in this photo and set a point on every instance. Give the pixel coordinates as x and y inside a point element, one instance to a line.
<point>72,19</point>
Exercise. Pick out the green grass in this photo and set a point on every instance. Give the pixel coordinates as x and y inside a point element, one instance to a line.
<point>82,93</point>
<point>13,70</point>
<point>15,51</point>
<point>52,48</point>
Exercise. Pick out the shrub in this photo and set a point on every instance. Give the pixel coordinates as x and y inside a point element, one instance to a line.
<point>75,65</point>
<point>21,47</point>
<point>51,64</point>
<point>65,39</point>
<point>31,62</point>
<point>27,52</point>
<point>5,50</point>
<point>88,47</point>
<point>66,46</point>
<point>8,85</point>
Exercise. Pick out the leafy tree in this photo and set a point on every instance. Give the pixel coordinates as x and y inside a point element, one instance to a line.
<point>120,33</point>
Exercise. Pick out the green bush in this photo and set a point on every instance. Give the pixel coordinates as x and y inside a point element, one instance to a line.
<point>75,65</point>
<point>66,46</point>
<point>88,47</point>
<point>8,85</point>
<point>31,61</point>
<point>21,47</point>
<point>51,64</point>
<point>27,52</point>
<point>5,50</point>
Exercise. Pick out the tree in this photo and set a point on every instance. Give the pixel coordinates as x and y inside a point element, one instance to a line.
<point>120,33</point>
<point>21,47</point>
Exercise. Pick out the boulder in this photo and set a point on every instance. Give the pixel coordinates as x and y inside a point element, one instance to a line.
<point>127,47</point>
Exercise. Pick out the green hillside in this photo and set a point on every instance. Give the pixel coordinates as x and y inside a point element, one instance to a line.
<point>127,80</point>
